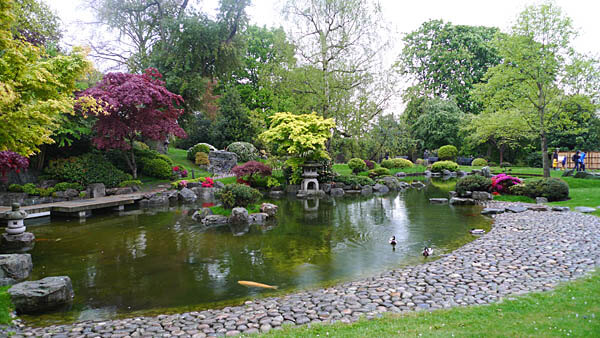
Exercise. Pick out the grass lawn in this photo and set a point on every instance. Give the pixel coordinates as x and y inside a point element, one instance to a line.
<point>179,158</point>
<point>5,305</point>
<point>583,193</point>
<point>573,309</point>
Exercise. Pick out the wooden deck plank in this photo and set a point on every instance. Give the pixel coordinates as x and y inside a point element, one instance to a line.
<point>79,205</point>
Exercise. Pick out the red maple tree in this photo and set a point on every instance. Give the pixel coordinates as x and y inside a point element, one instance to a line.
<point>136,106</point>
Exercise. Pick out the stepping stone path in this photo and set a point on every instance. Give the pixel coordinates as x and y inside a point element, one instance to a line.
<point>517,209</point>
<point>585,209</point>
<point>524,252</point>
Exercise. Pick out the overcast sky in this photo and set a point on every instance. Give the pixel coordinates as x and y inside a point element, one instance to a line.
<point>403,16</point>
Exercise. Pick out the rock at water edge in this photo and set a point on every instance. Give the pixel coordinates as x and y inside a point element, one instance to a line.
<point>41,295</point>
<point>14,268</point>
<point>269,209</point>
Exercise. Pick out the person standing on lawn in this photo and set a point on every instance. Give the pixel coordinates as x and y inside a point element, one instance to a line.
<point>575,159</point>
<point>582,161</point>
<point>555,159</point>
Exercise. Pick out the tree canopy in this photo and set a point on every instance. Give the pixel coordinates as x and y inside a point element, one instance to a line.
<point>34,88</point>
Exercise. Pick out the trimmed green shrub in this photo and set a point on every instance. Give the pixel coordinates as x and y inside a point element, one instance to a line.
<point>202,158</point>
<point>479,162</point>
<point>45,192</point>
<point>357,165</point>
<point>396,163</point>
<point>447,152</point>
<point>440,166</point>
<point>237,195</point>
<point>354,180</point>
<point>30,189</point>
<point>130,183</point>
<point>378,172</point>
<point>62,186</point>
<point>554,189</point>
<point>472,183</point>
<point>165,158</point>
<point>86,169</point>
<point>200,147</point>
<point>245,151</point>
<point>156,168</point>
<point>15,188</point>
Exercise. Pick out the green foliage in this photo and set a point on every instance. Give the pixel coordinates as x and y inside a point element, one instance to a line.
<point>440,166</point>
<point>62,186</point>
<point>354,180</point>
<point>36,23</point>
<point>198,148</point>
<point>448,152</point>
<point>179,184</point>
<point>130,183</point>
<point>378,172</point>
<point>202,158</point>
<point>554,189</point>
<point>86,169</point>
<point>472,183</point>
<point>479,162</point>
<point>357,165</point>
<point>237,195</point>
<point>398,163</point>
<point>245,151</point>
<point>15,188</point>
<point>157,168</point>
<point>539,70</point>
<point>434,122</point>
<point>233,123</point>
<point>30,189</point>
<point>447,60</point>
<point>35,87</point>
<point>299,135</point>
<point>165,158</point>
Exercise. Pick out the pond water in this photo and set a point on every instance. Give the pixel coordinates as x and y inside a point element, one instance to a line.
<point>143,263</point>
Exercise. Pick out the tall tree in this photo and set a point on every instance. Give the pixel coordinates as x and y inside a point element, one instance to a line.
<point>338,43</point>
<point>36,23</point>
<point>140,23</point>
<point>446,60</point>
<point>130,107</point>
<point>539,70</point>
<point>504,130</point>
<point>438,123</point>
<point>34,88</point>
<point>233,123</point>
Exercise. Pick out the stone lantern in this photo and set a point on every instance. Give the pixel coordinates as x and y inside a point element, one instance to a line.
<point>310,174</point>
<point>15,220</point>
<point>15,239</point>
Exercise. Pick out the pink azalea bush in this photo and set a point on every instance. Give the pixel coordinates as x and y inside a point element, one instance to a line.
<point>502,182</point>
<point>208,182</point>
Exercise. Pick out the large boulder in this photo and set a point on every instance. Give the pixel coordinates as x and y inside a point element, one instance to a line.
<point>336,192</point>
<point>42,295</point>
<point>215,220</point>
<point>239,216</point>
<point>381,188</point>
<point>201,214</point>
<point>258,218</point>
<point>186,196</point>
<point>366,190</point>
<point>204,193</point>
<point>462,201</point>
<point>269,209</point>
<point>486,172</point>
<point>18,243</point>
<point>391,182</point>
<point>96,190</point>
<point>481,196</point>
<point>221,162</point>
<point>14,268</point>
<point>417,184</point>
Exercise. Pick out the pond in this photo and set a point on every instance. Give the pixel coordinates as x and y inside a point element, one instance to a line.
<point>143,263</point>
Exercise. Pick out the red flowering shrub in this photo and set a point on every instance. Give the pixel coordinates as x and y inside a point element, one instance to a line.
<point>370,164</point>
<point>251,172</point>
<point>11,161</point>
<point>208,182</point>
<point>501,183</point>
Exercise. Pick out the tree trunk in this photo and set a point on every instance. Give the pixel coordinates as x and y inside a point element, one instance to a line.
<point>545,160</point>
<point>501,149</point>
<point>489,151</point>
<point>130,159</point>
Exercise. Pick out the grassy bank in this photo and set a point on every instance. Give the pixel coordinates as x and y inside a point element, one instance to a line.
<point>572,309</point>
<point>5,305</point>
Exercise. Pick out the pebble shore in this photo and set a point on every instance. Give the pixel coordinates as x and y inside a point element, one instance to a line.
<point>524,252</point>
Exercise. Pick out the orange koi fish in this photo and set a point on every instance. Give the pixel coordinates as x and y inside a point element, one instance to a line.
<point>256,285</point>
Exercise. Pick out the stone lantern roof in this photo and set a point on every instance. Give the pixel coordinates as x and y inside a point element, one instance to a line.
<point>16,213</point>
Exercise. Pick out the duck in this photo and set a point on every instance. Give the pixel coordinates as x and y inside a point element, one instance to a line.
<point>427,251</point>
<point>474,231</point>
<point>393,241</point>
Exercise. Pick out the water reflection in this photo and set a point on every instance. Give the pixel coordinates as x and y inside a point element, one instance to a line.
<point>163,259</point>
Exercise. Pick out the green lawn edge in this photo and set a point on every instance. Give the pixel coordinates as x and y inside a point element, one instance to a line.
<point>572,309</point>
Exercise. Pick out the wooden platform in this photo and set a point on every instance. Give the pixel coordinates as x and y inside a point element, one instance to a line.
<point>78,208</point>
